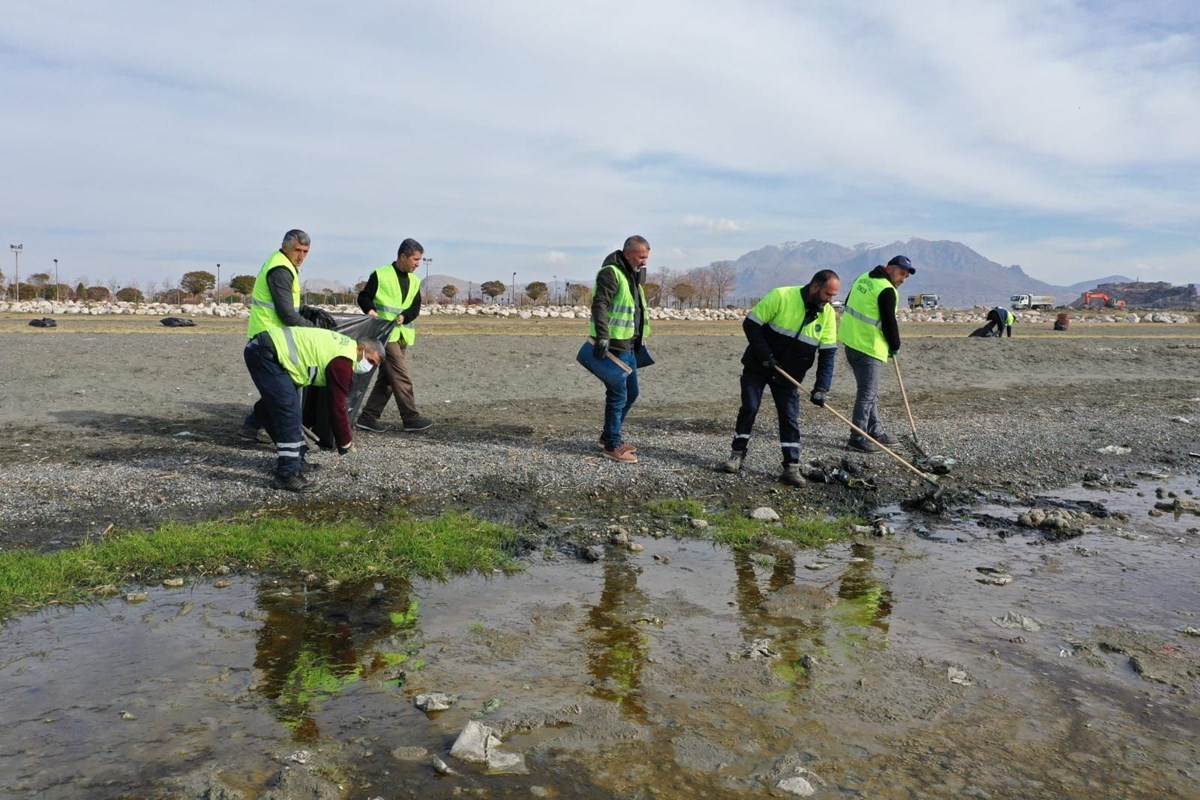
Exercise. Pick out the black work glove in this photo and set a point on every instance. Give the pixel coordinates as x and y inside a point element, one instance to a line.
<point>600,349</point>
<point>309,313</point>
<point>770,364</point>
<point>817,397</point>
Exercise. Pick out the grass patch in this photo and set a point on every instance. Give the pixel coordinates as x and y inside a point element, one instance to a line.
<point>736,530</point>
<point>396,546</point>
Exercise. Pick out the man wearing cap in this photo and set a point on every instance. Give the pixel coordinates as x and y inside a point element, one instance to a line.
<point>871,336</point>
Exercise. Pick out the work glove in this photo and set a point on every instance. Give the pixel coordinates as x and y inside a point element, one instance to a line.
<point>600,349</point>
<point>319,317</point>
<point>770,364</point>
<point>817,397</point>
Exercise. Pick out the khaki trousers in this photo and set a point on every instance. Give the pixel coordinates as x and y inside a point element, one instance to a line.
<point>393,379</point>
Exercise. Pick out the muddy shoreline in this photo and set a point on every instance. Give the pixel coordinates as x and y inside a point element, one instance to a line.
<point>961,654</point>
<point>127,425</point>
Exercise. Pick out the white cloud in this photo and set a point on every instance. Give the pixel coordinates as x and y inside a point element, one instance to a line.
<point>147,143</point>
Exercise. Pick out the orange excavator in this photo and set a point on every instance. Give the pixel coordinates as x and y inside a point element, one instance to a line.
<point>1104,300</point>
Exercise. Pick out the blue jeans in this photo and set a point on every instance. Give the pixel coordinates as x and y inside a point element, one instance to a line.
<point>787,405</point>
<point>866,400</point>
<point>620,389</point>
<point>279,409</point>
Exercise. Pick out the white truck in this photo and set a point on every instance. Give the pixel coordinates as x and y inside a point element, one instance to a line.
<point>1031,301</point>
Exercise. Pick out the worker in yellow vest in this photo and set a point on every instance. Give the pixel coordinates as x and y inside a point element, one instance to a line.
<point>1001,320</point>
<point>871,336</point>
<point>791,328</point>
<point>620,323</point>
<point>275,301</point>
<point>394,292</point>
<point>283,360</point>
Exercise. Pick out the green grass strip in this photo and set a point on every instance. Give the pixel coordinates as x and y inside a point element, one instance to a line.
<point>398,546</point>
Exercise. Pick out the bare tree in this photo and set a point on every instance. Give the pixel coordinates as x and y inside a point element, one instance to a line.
<point>724,279</point>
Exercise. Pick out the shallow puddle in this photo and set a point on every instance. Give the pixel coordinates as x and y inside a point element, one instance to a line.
<point>682,670</point>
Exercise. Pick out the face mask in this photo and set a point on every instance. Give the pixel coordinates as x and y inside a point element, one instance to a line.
<point>363,366</point>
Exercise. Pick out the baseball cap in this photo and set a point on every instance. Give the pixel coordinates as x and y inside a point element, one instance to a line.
<point>903,263</point>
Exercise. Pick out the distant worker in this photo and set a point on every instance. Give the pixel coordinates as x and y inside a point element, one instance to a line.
<point>620,323</point>
<point>790,328</point>
<point>1000,320</point>
<point>394,292</point>
<point>275,301</point>
<point>282,360</point>
<point>872,336</point>
<point>1063,321</point>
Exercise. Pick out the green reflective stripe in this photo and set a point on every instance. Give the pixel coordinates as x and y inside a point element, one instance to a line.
<point>828,346</point>
<point>291,343</point>
<point>754,318</point>
<point>858,315</point>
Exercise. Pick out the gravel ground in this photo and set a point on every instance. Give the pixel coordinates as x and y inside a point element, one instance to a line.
<point>126,423</point>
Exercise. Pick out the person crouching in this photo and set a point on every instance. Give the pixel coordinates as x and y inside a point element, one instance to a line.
<point>281,361</point>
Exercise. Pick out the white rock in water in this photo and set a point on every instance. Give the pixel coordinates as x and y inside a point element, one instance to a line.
<point>765,514</point>
<point>434,701</point>
<point>798,786</point>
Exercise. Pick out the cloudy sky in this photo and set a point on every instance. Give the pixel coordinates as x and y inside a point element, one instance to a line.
<point>145,139</point>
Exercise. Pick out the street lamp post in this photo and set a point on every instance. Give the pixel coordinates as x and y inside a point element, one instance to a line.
<point>568,289</point>
<point>56,284</point>
<point>512,298</point>
<point>16,249</point>
<point>218,284</point>
<point>554,293</point>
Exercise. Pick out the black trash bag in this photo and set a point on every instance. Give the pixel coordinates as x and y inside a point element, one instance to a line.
<point>316,399</point>
<point>983,333</point>
<point>176,322</point>
<point>319,317</point>
<point>44,322</point>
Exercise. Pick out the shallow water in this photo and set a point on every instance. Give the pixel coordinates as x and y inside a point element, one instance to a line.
<point>625,678</point>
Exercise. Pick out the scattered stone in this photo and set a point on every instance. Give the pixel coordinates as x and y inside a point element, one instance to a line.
<point>818,565</point>
<point>136,597</point>
<point>107,590</point>
<point>765,514</point>
<point>434,701</point>
<point>300,756</point>
<point>649,620</point>
<point>173,583</point>
<point>222,584</point>
<point>634,547</point>
<point>662,557</point>
<point>1190,630</point>
<point>593,553</point>
<point>440,767</point>
<point>479,744</point>
<point>755,651</point>
<point>1115,450</point>
<point>409,753</point>
<point>223,570</point>
<point>1181,420</point>
<point>125,715</point>
<point>699,524</point>
<point>958,676</point>
<point>1014,620</point>
<point>993,577</point>
<point>797,785</point>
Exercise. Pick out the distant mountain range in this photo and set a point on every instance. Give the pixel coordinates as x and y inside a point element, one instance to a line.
<point>957,274</point>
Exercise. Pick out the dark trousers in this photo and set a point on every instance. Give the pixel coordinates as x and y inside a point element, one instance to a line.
<point>394,381</point>
<point>279,407</point>
<point>787,405</point>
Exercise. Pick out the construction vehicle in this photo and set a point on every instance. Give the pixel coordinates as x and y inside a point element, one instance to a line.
<point>923,301</point>
<point>1031,301</point>
<point>1103,300</point>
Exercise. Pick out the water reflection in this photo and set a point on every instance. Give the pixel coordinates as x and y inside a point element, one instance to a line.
<point>312,645</point>
<point>617,647</point>
<point>864,600</point>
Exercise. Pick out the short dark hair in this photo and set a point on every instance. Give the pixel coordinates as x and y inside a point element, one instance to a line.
<point>823,277</point>
<point>408,247</point>
<point>295,237</point>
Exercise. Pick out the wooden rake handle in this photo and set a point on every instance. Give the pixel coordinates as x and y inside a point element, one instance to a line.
<point>863,433</point>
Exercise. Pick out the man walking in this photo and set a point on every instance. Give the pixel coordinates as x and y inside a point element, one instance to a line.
<point>394,292</point>
<point>871,336</point>
<point>620,322</point>
<point>280,361</point>
<point>275,301</point>
<point>789,328</point>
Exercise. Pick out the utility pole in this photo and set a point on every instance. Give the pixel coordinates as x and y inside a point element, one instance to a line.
<point>218,284</point>
<point>56,280</point>
<point>16,249</point>
<point>512,298</point>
